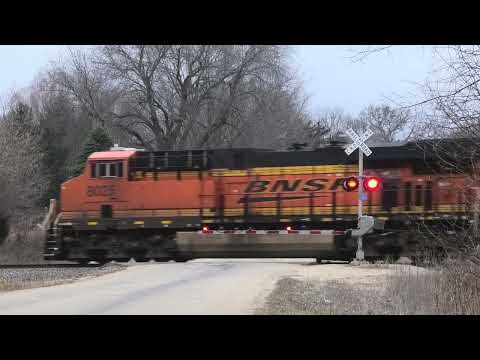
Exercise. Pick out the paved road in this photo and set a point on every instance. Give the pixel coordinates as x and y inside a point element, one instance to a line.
<point>196,287</point>
<point>220,286</point>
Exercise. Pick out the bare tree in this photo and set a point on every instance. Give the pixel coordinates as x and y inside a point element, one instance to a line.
<point>179,96</point>
<point>364,53</point>
<point>455,93</point>
<point>143,105</point>
<point>273,117</point>
<point>20,160</point>
<point>189,96</point>
<point>327,126</point>
<point>453,110</point>
<point>388,124</point>
<point>452,102</point>
<point>63,126</point>
<point>87,86</point>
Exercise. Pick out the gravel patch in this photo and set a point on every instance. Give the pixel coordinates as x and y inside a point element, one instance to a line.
<point>343,289</point>
<point>296,297</point>
<point>16,279</point>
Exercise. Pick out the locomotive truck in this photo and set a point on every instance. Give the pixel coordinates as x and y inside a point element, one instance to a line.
<point>181,205</point>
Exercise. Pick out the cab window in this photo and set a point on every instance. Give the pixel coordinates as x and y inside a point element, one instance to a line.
<point>112,169</point>
<point>107,169</point>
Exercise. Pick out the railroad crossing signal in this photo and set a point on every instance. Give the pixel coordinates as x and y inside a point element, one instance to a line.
<point>359,142</point>
<point>350,184</point>
<point>370,184</point>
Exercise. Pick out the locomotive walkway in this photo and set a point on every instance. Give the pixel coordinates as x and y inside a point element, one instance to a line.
<point>221,286</point>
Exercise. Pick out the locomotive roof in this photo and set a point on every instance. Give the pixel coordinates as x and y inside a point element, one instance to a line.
<point>419,152</point>
<point>112,155</point>
<point>235,158</point>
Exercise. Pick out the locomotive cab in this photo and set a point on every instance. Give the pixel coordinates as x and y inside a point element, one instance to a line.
<point>106,175</point>
<point>111,164</point>
<point>98,192</point>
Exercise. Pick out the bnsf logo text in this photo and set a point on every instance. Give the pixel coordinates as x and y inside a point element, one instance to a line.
<point>310,185</point>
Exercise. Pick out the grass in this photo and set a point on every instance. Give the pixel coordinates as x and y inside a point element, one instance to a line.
<point>23,247</point>
<point>452,288</point>
<point>449,288</point>
<point>25,242</point>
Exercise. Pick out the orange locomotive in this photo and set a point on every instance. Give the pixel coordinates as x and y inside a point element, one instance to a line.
<point>132,203</point>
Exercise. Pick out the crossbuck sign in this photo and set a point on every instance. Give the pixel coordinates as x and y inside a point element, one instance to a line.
<point>359,143</point>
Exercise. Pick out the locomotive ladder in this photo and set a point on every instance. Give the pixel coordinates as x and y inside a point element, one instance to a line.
<point>52,247</point>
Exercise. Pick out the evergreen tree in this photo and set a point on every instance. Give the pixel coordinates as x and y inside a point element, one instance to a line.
<point>97,140</point>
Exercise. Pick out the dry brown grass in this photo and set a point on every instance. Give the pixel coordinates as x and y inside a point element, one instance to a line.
<point>6,285</point>
<point>23,248</point>
<point>450,288</point>
<point>24,243</point>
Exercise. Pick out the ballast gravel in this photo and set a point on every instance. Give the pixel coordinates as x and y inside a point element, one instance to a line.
<point>26,278</point>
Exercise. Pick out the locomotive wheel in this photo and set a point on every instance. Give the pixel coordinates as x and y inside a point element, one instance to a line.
<point>123,260</point>
<point>138,259</point>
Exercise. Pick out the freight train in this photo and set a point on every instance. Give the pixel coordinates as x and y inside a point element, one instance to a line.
<point>181,205</point>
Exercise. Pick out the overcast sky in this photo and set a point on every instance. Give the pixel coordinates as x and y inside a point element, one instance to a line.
<point>19,64</point>
<point>329,75</point>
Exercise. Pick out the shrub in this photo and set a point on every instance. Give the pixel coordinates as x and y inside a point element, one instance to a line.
<point>452,287</point>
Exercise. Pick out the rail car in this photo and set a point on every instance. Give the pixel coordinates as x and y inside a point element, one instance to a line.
<point>182,205</point>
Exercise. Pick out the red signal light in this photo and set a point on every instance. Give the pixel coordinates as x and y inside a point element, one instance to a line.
<point>371,183</point>
<point>350,184</point>
<point>289,228</point>
<point>205,229</point>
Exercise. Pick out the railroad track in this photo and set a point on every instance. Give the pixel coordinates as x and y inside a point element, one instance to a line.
<point>39,266</point>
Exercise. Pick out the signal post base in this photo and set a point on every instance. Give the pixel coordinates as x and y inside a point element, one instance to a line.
<point>360,255</point>
<point>356,262</point>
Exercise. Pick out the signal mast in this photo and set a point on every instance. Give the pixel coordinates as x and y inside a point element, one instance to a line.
<point>370,183</point>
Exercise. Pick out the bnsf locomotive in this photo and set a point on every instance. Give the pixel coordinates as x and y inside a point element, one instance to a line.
<point>180,205</point>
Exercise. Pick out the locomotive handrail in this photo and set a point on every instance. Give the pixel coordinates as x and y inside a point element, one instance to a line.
<point>50,217</point>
